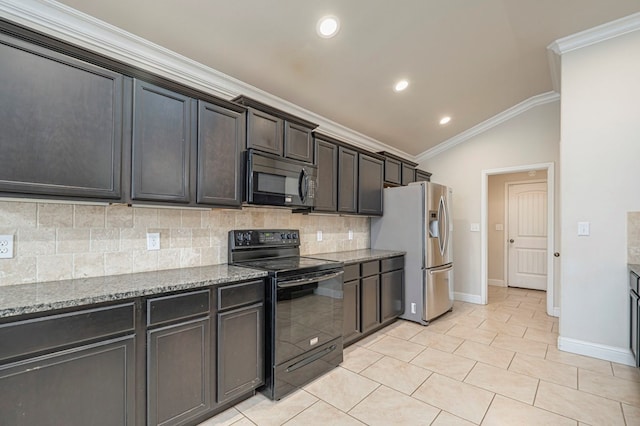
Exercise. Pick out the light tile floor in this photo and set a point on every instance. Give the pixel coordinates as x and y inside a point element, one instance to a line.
<point>495,364</point>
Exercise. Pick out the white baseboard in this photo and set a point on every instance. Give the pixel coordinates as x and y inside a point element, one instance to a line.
<point>556,312</point>
<point>466,297</point>
<point>596,350</point>
<point>497,283</point>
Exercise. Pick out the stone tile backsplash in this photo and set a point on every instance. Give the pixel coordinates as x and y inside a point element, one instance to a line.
<point>60,241</point>
<point>633,237</point>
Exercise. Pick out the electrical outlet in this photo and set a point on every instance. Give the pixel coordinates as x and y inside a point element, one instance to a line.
<point>319,235</point>
<point>583,229</point>
<point>153,241</point>
<point>350,234</point>
<point>6,246</point>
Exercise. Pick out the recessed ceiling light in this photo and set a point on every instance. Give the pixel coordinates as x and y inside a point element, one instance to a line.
<point>401,85</point>
<point>328,26</point>
<point>445,120</point>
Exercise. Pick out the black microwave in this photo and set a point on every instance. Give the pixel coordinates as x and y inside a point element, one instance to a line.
<point>277,181</point>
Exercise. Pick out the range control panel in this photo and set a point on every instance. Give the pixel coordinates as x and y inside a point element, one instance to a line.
<point>264,237</point>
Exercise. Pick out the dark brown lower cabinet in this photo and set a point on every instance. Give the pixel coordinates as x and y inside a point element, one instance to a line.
<point>370,302</point>
<point>179,372</point>
<point>391,295</point>
<point>240,351</point>
<point>351,305</point>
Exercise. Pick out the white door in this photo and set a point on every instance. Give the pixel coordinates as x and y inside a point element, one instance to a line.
<point>527,239</point>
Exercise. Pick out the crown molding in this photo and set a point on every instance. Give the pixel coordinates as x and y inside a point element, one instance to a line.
<point>596,34</point>
<point>72,26</point>
<point>478,129</point>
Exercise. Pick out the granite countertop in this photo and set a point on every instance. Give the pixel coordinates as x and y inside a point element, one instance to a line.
<point>355,256</point>
<point>45,296</point>
<point>635,268</point>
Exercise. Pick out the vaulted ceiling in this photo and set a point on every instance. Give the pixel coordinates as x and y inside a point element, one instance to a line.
<point>469,59</point>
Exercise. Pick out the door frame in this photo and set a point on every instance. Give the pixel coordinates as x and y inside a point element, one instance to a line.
<point>484,226</point>
<point>505,251</point>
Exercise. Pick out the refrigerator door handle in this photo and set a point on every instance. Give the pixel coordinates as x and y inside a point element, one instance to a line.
<point>442,224</point>
<point>439,271</point>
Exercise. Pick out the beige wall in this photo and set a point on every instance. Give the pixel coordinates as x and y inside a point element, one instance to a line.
<point>633,237</point>
<point>61,241</point>
<point>600,154</point>
<point>496,215</point>
<point>529,138</point>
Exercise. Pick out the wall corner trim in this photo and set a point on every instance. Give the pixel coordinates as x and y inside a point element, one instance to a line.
<point>596,34</point>
<point>466,297</point>
<point>492,122</point>
<point>596,350</point>
<point>67,24</point>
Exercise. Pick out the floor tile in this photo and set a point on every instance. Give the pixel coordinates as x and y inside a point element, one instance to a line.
<point>504,328</point>
<point>513,385</point>
<point>440,325</point>
<point>357,358</point>
<point>454,366</point>
<point>388,407</point>
<point>588,363</point>
<point>517,344</point>
<point>341,388</point>
<point>403,329</point>
<point>447,419</point>
<point>263,411</point>
<point>467,321</point>
<point>438,341</point>
<point>226,418</point>
<point>631,414</point>
<point>505,411</point>
<point>547,337</point>
<point>322,414</point>
<point>396,348</point>
<point>490,315</point>
<point>609,387</point>
<point>555,372</point>
<point>475,334</point>
<point>398,375</point>
<point>243,422</point>
<point>517,312</point>
<point>369,340</point>
<point>582,406</point>
<point>460,399</point>
<point>626,372</point>
<point>544,324</point>
<point>485,353</point>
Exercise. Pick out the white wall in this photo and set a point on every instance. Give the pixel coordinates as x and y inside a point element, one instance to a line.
<point>529,138</point>
<point>600,183</point>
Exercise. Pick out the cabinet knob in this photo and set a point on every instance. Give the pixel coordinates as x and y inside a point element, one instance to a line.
<point>512,241</point>
<point>556,254</point>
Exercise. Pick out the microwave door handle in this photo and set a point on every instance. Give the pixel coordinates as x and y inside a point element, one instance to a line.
<point>303,185</point>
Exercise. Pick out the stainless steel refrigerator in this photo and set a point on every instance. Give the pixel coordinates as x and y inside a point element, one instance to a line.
<point>417,220</point>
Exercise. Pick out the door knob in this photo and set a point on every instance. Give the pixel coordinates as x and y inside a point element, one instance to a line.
<point>512,241</point>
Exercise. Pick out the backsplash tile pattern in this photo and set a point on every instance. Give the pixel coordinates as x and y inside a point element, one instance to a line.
<point>61,241</point>
<point>633,237</point>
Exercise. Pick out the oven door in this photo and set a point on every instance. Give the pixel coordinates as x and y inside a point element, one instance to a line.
<point>278,182</point>
<point>308,314</point>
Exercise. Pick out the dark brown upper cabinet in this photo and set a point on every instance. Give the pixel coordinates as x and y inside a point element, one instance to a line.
<point>163,125</point>
<point>347,180</point>
<point>408,174</point>
<point>421,175</point>
<point>221,135</point>
<point>370,173</point>
<point>327,187</point>
<point>62,124</point>
<point>392,171</point>
<point>277,132</point>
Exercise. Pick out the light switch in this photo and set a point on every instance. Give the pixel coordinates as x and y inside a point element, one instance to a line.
<point>475,227</point>
<point>499,227</point>
<point>583,229</point>
<point>319,236</point>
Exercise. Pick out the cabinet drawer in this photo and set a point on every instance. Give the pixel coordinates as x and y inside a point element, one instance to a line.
<point>177,306</point>
<point>351,272</point>
<point>392,264</point>
<point>370,268</point>
<point>232,296</point>
<point>47,333</point>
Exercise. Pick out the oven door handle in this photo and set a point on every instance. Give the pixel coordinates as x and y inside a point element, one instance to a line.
<point>302,281</point>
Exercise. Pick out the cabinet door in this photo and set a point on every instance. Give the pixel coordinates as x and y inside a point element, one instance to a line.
<point>298,143</point>
<point>61,124</point>
<point>422,176</point>
<point>220,141</point>
<point>370,302</point>
<point>391,295</point>
<point>347,180</point>
<point>87,385</point>
<point>178,372</point>
<point>264,131</point>
<point>351,309</point>
<point>162,129</point>
<point>392,171</point>
<point>370,172</point>
<point>408,174</point>
<point>327,188</point>
<point>240,351</point>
